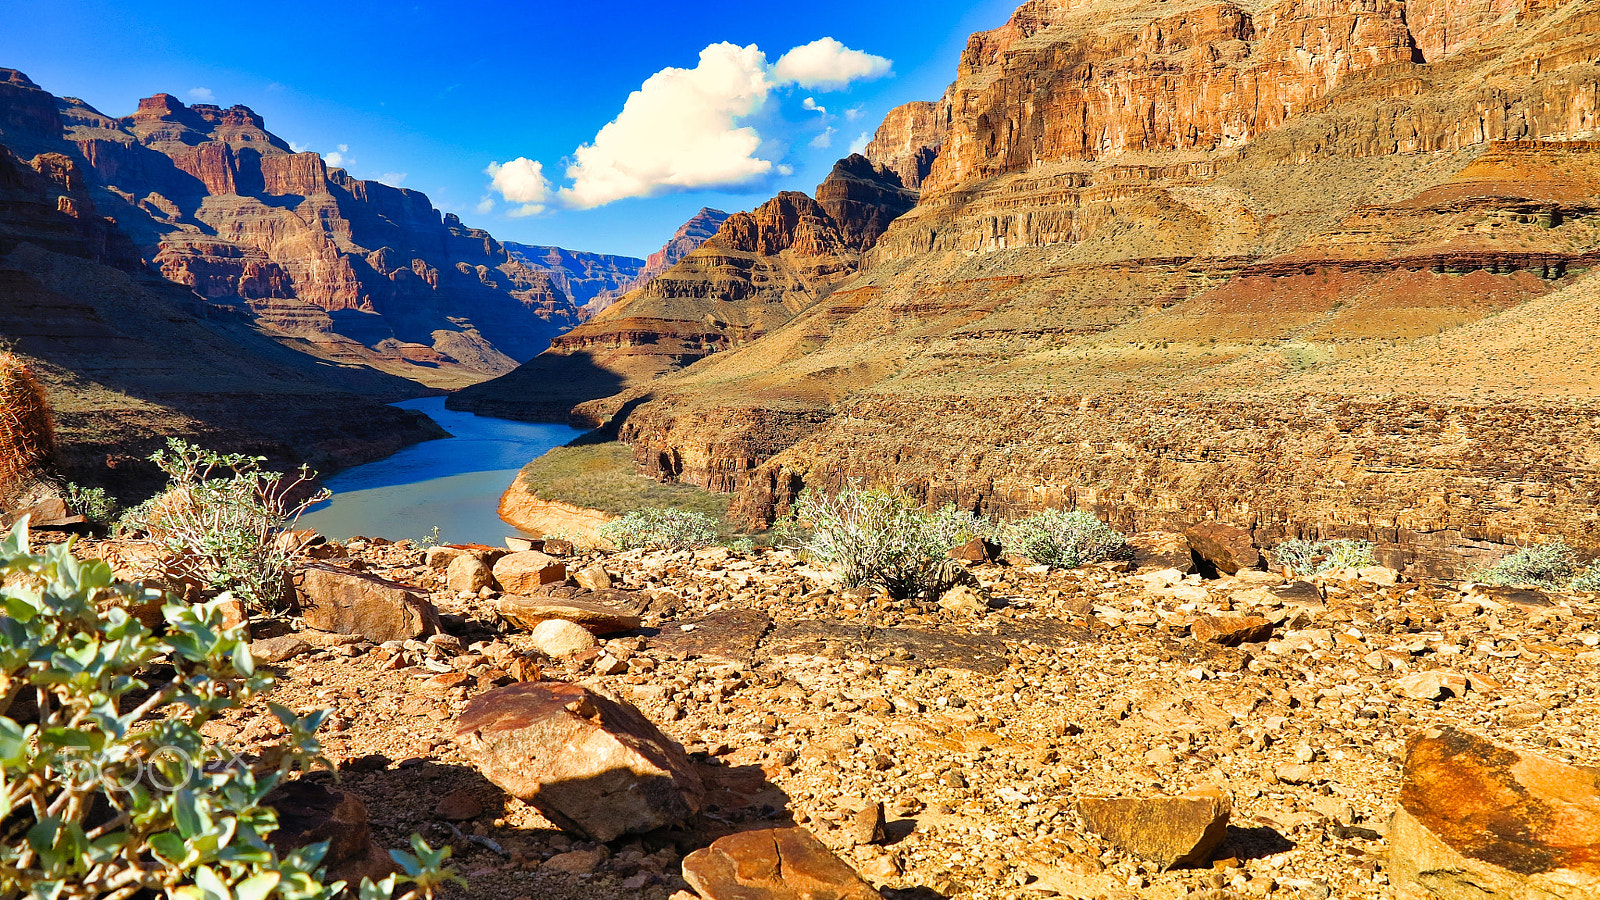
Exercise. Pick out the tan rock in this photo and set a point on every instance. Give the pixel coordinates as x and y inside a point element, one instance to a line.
<point>593,765</point>
<point>593,577</point>
<point>963,599</point>
<point>1168,831</point>
<point>348,602</point>
<point>558,637</point>
<point>528,612</point>
<point>775,864</point>
<point>1230,631</point>
<point>1434,684</point>
<point>526,572</point>
<point>310,813</point>
<point>279,649</point>
<point>467,573</point>
<point>1480,820</point>
<point>1225,547</point>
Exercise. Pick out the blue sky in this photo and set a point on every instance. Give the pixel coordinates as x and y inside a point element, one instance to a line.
<point>432,94</point>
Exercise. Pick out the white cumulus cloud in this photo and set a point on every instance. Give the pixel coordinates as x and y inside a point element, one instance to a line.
<point>335,158</point>
<point>827,65</point>
<point>200,95</point>
<point>859,145</point>
<point>823,140</point>
<point>393,178</point>
<point>679,130</point>
<point>520,181</point>
<point>686,129</point>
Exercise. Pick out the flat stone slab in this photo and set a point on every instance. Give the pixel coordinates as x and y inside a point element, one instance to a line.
<point>350,602</point>
<point>773,864</point>
<point>1480,820</point>
<point>527,612</point>
<point>1171,832</point>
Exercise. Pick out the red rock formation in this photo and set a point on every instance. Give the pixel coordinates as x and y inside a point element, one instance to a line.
<point>348,268</point>
<point>689,236</point>
<point>1268,265</point>
<point>909,139</point>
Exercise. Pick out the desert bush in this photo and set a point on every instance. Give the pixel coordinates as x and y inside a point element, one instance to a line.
<point>27,429</point>
<point>661,528</point>
<point>1552,565</point>
<point>1587,580</point>
<point>94,504</point>
<point>219,519</point>
<point>110,790</point>
<point>956,526</point>
<point>871,537</point>
<point>1057,537</point>
<point>1302,557</point>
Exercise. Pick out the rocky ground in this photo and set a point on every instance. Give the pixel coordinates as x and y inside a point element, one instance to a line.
<point>979,725</point>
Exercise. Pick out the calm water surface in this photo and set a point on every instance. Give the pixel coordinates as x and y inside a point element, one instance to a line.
<point>453,483</point>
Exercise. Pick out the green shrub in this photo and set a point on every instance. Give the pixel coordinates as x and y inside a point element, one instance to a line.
<point>109,789</point>
<point>669,528</point>
<point>1551,565</point>
<point>1587,580</point>
<point>956,526</point>
<point>1056,537</point>
<point>1302,557</point>
<point>220,518</point>
<point>873,537</point>
<point>93,504</point>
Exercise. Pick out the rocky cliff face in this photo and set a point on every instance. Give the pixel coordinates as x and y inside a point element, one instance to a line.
<point>580,276</point>
<point>689,236</point>
<point>909,139</point>
<point>758,270</point>
<point>1303,268</point>
<point>129,359</point>
<point>351,270</point>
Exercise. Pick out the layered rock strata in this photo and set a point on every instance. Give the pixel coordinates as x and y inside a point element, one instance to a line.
<point>351,270</point>
<point>689,236</point>
<point>1304,270</point>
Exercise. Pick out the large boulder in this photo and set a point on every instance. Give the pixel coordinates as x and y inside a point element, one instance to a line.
<point>593,765</point>
<point>1223,547</point>
<point>468,574</point>
<point>558,637</point>
<point>1479,820</point>
<point>1171,832</point>
<point>350,602</point>
<point>526,572</point>
<point>773,864</point>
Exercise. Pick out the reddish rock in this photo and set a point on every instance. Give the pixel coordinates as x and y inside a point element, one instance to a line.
<point>1230,631</point>
<point>1480,820</point>
<point>347,602</point>
<point>774,864</point>
<point>1171,832</point>
<point>310,813</point>
<point>526,572</point>
<point>467,573</point>
<point>976,551</point>
<point>593,765</point>
<point>1225,547</point>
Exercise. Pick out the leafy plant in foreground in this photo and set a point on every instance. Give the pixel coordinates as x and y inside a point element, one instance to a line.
<point>220,518</point>
<point>94,504</point>
<point>108,788</point>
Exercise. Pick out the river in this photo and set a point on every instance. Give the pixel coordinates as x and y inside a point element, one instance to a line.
<point>453,483</point>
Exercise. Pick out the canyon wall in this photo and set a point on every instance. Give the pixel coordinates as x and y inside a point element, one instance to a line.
<point>351,270</point>
<point>1307,268</point>
<point>689,236</point>
<point>753,275</point>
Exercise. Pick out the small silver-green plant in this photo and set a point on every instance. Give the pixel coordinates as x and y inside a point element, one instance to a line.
<point>872,536</point>
<point>220,518</point>
<point>661,528</point>
<point>1065,539</point>
<point>94,504</point>
<point>1301,557</point>
<point>1553,565</point>
<point>1587,580</point>
<point>108,787</point>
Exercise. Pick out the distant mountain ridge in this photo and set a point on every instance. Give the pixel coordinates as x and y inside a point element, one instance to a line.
<point>347,269</point>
